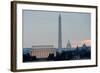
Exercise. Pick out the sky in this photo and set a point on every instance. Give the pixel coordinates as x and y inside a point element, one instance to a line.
<point>41,28</point>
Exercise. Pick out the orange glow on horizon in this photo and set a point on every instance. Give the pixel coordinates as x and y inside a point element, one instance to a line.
<point>80,43</point>
<point>87,42</point>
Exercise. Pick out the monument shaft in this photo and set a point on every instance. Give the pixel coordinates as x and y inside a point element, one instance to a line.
<point>59,33</point>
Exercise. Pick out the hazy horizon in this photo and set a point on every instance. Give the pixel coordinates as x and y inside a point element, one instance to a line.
<point>41,28</point>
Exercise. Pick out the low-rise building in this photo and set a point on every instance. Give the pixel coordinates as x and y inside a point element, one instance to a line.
<point>42,51</point>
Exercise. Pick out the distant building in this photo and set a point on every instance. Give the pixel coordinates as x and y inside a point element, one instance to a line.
<point>42,51</point>
<point>68,45</point>
<point>84,46</point>
<point>68,48</point>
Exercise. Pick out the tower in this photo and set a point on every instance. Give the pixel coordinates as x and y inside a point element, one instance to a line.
<point>59,32</point>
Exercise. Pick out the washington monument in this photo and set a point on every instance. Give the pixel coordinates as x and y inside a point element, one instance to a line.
<point>59,32</point>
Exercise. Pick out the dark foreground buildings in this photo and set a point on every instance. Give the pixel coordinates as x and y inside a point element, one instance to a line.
<point>59,54</point>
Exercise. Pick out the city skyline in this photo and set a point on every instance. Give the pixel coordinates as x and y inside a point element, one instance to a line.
<point>45,24</point>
